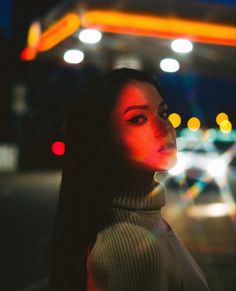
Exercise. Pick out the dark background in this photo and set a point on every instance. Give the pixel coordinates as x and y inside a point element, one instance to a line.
<point>203,87</point>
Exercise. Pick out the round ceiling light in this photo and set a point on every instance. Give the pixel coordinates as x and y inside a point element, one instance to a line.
<point>182,46</point>
<point>90,36</point>
<point>73,56</point>
<point>169,65</point>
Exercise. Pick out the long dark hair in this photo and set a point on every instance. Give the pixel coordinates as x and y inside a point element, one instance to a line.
<point>93,165</point>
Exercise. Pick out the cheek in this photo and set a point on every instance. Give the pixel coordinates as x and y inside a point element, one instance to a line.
<point>142,146</point>
<point>138,144</point>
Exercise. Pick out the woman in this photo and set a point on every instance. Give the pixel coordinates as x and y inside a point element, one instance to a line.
<point>109,233</point>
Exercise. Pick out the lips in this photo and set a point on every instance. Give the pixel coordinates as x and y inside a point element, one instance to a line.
<point>166,147</point>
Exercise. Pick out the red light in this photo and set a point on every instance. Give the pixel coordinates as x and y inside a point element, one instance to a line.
<point>28,54</point>
<point>58,148</point>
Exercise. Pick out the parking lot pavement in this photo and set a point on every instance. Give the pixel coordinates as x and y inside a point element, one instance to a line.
<point>27,209</point>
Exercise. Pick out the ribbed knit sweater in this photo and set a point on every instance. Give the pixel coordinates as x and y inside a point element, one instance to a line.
<point>136,250</point>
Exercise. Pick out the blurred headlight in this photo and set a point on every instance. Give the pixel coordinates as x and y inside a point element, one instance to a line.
<point>180,166</point>
<point>216,168</point>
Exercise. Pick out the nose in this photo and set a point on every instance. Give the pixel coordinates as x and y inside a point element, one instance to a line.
<point>161,128</point>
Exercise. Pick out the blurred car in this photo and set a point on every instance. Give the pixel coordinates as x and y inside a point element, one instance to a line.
<point>198,160</point>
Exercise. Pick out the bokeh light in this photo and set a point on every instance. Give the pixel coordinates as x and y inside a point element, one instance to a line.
<point>73,56</point>
<point>58,148</point>
<point>175,119</point>
<point>221,117</point>
<point>181,45</point>
<point>217,167</point>
<point>28,54</point>
<point>169,65</point>
<point>60,30</point>
<point>225,126</point>
<point>218,209</point>
<point>90,36</point>
<point>180,166</point>
<point>34,34</point>
<point>194,123</point>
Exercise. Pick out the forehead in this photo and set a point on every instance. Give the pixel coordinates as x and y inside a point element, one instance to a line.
<point>138,93</point>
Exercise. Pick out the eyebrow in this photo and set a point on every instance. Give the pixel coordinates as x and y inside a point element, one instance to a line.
<point>145,107</point>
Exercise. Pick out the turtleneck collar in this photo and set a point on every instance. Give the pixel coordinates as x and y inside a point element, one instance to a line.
<point>144,194</point>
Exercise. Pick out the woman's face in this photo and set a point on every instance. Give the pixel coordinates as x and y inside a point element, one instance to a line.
<point>142,129</point>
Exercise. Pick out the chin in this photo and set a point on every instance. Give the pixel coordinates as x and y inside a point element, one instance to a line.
<point>155,167</point>
<point>156,162</point>
<point>163,164</point>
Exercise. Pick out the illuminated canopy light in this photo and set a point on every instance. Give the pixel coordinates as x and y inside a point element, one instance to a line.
<point>156,26</point>
<point>59,31</point>
<point>175,119</point>
<point>194,124</point>
<point>73,56</point>
<point>221,117</point>
<point>56,33</point>
<point>90,36</point>
<point>182,46</point>
<point>169,65</point>
<point>216,168</point>
<point>28,54</point>
<point>34,34</point>
<point>225,126</point>
<point>58,148</point>
<point>137,24</point>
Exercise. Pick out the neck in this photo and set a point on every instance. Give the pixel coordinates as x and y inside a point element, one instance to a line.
<point>140,199</point>
<point>140,192</point>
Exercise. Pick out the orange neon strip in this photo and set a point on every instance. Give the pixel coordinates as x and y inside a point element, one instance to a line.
<point>59,31</point>
<point>162,27</point>
<point>133,24</point>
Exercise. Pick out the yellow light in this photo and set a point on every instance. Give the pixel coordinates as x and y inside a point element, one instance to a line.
<point>175,119</point>
<point>34,34</point>
<point>225,126</point>
<point>194,124</point>
<point>59,31</point>
<point>221,117</point>
<point>157,26</point>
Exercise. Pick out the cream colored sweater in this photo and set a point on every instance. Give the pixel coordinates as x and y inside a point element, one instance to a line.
<point>136,250</point>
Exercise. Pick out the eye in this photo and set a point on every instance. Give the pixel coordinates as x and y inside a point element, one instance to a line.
<point>164,114</point>
<point>138,119</point>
